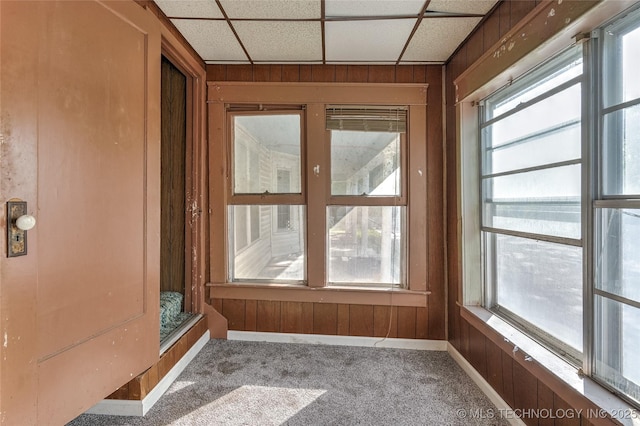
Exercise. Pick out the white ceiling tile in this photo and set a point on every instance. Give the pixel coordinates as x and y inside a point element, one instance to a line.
<point>281,41</point>
<point>373,7</point>
<point>272,9</point>
<point>379,40</point>
<point>461,6</point>
<point>428,43</point>
<point>190,8</point>
<point>213,40</point>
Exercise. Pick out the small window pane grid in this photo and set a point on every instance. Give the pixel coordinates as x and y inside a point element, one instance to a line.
<point>539,206</point>
<point>366,207</point>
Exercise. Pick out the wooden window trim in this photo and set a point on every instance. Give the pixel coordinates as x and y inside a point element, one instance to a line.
<point>316,96</point>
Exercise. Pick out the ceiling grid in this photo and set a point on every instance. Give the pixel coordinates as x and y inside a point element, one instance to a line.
<point>384,32</point>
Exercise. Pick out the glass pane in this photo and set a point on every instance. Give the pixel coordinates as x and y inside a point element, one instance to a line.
<point>618,256</point>
<point>543,202</point>
<point>263,145</point>
<point>555,111</point>
<point>365,244</point>
<point>622,152</point>
<point>540,282</point>
<point>617,334</point>
<point>562,144</point>
<point>276,254</point>
<point>532,86</point>
<point>621,48</point>
<point>365,163</point>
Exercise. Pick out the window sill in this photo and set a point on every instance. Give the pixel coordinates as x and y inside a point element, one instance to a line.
<point>553,371</point>
<point>334,294</point>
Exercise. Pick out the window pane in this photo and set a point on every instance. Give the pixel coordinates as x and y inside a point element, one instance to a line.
<point>616,346</point>
<point>263,144</point>
<point>540,282</point>
<point>365,244</point>
<point>560,109</point>
<point>559,144</point>
<point>622,152</point>
<point>365,163</point>
<point>621,76</point>
<point>543,202</point>
<point>618,256</point>
<point>273,256</point>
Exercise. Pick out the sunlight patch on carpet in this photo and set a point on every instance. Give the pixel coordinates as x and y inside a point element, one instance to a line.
<point>267,405</point>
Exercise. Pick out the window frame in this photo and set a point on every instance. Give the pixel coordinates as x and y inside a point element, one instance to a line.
<point>315,97</point>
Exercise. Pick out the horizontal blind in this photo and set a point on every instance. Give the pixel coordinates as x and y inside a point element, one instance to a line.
<point>367,118</point>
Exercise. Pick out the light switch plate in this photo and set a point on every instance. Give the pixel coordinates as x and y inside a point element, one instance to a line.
<point>16,237</point>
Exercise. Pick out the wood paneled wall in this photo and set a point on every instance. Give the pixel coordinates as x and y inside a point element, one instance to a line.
<point>503,370</point>
<point>324,318</point>
<point>432,321</point>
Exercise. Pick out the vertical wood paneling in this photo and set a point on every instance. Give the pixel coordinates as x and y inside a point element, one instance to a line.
<point>343,320</point>
<point>357,73</point>
<point>361,320</point>
<point>217,304</point>
<point>406,322</point>
<point>261,73</point>
<point>275,73</point>
<point>324,73</point>
<point>404,74</point>
<point>507,379</point>
<point>545,402</point>
<point>307,318</point>
<point>268,316</point>
<point>464,338</point>
<point>561,406</point>
<point>239,73</point>
<point>423,322</point>
<point>385,321</point>
<point>491,31</point>
<point>525,392</point>
<point>250,320</point>
<point>435,196</point>
<point>291,73</point>
<point>420,73</point>
<point>475,45</point>
<point>233,310</point>
<point>291,317</point>
<point>216,72</point>
<point>325,318</point>
<point>494,365</point>
<point>504,14</point>
<point>382,74</point>
<point>341,73</point>
<point>519,10</point>
<point>477,351</point>
<point>305,73</point>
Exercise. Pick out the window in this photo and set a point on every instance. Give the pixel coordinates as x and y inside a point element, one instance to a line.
<point>321,191</point>
<point>560,204</point>
<point>617,213</point>
<point>263,192</point>
<point>531,195</point>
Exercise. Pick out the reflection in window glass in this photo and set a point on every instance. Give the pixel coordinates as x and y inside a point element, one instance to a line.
<point>616,346</point>
<point>365,244</point>
<point>274,256</point>
<point>262,144</point>
<point>365,163</point>
<point>542,283</point>
<point>622,142</point>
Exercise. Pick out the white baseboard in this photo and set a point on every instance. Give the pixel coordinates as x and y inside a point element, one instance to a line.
<point>484,386</point>
<point>118,407</point>
<point>318,339</point>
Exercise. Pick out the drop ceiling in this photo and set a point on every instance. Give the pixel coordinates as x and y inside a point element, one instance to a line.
<point>325,31</point>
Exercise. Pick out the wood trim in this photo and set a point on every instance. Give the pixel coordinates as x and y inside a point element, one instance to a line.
<point>417,205</point>
<point>293,293</point>
<point>326,93</point>
<point>218,178</point>
<point>316,210</point>
<point>547,29</point>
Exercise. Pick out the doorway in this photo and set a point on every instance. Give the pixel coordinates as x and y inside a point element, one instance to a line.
<point>175,310</point>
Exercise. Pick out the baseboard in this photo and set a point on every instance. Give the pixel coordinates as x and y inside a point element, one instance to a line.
<point>118,407</point>
<point>318,339</point>
<point>484,386</point>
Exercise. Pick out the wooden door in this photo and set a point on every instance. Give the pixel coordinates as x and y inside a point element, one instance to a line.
<point>80,143</point>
